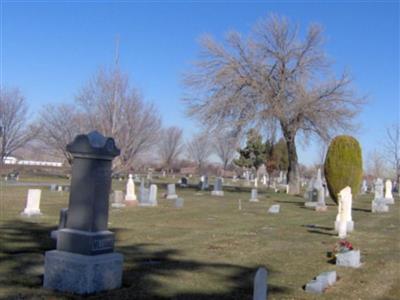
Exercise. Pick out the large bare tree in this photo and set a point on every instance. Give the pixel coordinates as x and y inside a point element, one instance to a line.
<point>59,125</point>
<point>273,76</point>
<point>225,145</point>
<point>170,146</point>
<point>115,109</point>
<point>392,148</point>
<point>15,131</point>
<point>199,149</point>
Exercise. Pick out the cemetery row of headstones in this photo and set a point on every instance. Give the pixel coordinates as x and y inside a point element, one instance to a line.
<point>85,246</point>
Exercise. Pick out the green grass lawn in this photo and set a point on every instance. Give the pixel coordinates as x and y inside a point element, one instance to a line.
<point>209,249</point>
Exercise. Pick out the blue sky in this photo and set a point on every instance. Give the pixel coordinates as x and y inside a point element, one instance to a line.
<point>50,49</point>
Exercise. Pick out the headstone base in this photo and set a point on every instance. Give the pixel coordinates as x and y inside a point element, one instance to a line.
<point>131,202</point>
<point>118,205</point>
<point>389,200</point>
<point>323,281</point>
<point>321,208</point>
<point>82,274</point>
<point>254,200</point>
<point>217,193</point>
<point>179,202</point>
<point>31,212</point>
<point>147,204</point>
<point>171,197</point>
<point>379,205</point>
<point>274,209</point>
<point>130,198</point>
<point>54,234</point>
<point>315,287</point>
<point>349,226</point>
<point>310,204</point>
<point>349,259</point>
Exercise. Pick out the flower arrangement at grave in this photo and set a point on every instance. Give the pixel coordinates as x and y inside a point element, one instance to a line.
<point>342,246</point>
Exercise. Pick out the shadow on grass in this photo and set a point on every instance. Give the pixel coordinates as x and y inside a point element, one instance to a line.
<point>321,232</point>
<point>313,226</point>
<point>292,202</point>
<point>146,268</point>
<point>362,209</point>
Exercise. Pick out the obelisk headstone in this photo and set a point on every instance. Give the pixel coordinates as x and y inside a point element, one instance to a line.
<point>130,197</point>
<point>388,192</point>
<point>85,261</point>
<point>344,222</point>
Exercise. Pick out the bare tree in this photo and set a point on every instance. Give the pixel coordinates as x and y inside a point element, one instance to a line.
<point>376,164</point>
<point>115,109</point>
<point>273,76</point>
<point>225,147</point>
<point>170,146</point>
<point>15,131</point>
<point>199,149</point>
<point>392,147</point>
<point>59,126</point>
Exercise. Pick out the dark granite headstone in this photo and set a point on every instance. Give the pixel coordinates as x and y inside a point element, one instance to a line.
<point>63,218</point>
<point>184,182</point>
<point>86,229</point>
<point>218,184</point>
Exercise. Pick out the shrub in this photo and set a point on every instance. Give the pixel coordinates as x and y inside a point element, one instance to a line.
<point>343,165</point>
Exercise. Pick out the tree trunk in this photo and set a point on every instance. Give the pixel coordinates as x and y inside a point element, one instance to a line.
<point>293,176</point>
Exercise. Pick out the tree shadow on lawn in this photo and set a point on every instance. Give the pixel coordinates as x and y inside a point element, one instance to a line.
<point>362,209</point>
<point>298,203</point>
<point>23,244</point>
<point>320,232</point>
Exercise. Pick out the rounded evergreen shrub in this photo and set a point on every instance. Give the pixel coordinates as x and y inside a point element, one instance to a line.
<point>343,165</point>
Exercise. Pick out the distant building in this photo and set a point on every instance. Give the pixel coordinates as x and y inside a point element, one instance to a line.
<point>9,160</point>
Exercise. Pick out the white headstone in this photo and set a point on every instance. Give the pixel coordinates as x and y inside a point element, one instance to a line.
<point>153,195</point>
<point>260,285</point>
<point>378,188</point>
<point>364,187</point>
<point>256,182</point>
<point>344,222</point>
<point>254,197</point>
<point>33,203</point>
<point>171,191</point>
<point>130,190</point>
<point>379,204</point>
<point>264,179</point>
<point>388,192</point>
<point>118,198</point>
<point>274,209</point>
<point>179,202</point>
